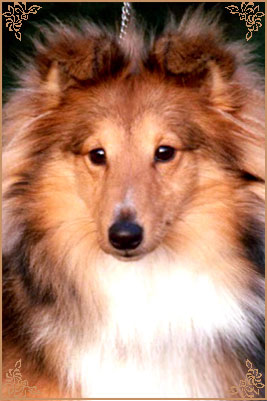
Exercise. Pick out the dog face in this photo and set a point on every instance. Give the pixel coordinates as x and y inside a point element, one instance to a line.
<point>147,161</point>
<point>138,156</point>
<point>131,165</point>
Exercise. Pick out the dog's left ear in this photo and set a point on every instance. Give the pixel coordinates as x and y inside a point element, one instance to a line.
<point>196,56</point>
<point>199,61</point>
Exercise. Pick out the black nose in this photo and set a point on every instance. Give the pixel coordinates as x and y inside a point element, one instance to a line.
<point>125,235</point>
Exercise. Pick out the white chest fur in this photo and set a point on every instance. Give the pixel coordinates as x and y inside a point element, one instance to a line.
<point>160,315</point>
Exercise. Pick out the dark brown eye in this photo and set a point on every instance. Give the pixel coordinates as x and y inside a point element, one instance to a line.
<point>164,154</point>
<point>97,156</point>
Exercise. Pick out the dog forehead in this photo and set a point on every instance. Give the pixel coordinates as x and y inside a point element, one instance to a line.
<point>135,95</point>
<point>144,126</point>
<point>140,107</point>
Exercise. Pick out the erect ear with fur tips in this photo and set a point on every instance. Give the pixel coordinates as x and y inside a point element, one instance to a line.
<point>71,57</point>
<point>199,61</point>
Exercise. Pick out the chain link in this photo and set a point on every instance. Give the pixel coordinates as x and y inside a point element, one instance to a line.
<point>125,18</point>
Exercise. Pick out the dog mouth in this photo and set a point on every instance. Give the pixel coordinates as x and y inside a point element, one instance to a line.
<point>128,256</point>
<point>125,255</point>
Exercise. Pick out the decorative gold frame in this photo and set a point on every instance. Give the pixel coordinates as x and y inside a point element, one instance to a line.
<point>17,387</point>
<point>17,14</point>
<point>250,14</point>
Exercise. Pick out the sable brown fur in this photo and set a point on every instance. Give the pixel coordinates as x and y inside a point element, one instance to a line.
<point>182,315</point>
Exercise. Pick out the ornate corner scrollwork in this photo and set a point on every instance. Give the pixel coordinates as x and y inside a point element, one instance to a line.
<point>18,388</point>
<point>250,14</point>
<point>17,14</point>
<point>250,386</point>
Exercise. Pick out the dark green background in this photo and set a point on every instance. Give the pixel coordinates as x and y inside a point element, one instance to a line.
<point>153,14</point>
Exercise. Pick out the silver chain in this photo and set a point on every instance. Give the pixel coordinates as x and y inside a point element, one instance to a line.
<point>125,18</point>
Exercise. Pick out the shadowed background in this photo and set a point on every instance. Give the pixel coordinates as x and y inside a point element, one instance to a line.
<point>153,15</point>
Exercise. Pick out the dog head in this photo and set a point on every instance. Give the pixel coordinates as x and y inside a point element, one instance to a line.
<point>128,150</point>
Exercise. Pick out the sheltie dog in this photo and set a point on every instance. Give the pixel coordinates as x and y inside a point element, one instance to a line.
<point>133,213</point>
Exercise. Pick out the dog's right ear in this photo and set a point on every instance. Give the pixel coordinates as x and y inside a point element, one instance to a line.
<point>71,58</point>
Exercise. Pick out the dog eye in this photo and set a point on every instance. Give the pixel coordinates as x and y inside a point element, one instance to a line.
<point>164,154</point>
<point>97,156</point>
